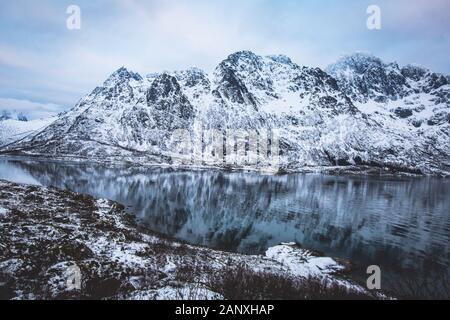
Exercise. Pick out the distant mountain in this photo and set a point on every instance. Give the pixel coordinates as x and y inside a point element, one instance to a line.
<point>360,112</point>
<point>12,130</point>
<point>8,115</point>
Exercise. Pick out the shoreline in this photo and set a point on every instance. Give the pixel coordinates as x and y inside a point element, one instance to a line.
<point>369,171</point>
<point>47,230</point>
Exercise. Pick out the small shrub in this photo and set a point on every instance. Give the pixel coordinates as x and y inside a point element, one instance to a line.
<point>242,283</point>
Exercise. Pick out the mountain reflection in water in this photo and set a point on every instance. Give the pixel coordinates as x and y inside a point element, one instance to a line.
<point>396,223</point>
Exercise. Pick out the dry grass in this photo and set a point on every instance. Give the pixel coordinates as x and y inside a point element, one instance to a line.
<point>430,286</point>
<point>242,283</point>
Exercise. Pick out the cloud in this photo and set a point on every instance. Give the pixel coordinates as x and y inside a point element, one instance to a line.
<point>9,57</point>
<point>424,17</point>
<point>40,60</point>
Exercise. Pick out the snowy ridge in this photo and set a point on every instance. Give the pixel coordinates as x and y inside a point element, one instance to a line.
<point>361,112</point>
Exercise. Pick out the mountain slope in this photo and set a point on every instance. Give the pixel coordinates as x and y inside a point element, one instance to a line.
<point>361,112</point>
<point>410,103</point>
<point>14,130</point>
<point>412,92</point>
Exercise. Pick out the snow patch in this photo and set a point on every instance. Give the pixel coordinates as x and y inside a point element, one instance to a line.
<point>3,212</point>
<point>302,262</point>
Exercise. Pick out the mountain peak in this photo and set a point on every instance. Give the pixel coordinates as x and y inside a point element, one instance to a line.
<point>358,62</point>
<point>245,56</point>
<point>242,54</point>
<point>280,58</point>
<point>120,75</point>
<point>364,77</point>
<point>249,56</point>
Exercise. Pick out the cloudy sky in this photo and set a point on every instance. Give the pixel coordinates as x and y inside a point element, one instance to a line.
<point>46,68</point>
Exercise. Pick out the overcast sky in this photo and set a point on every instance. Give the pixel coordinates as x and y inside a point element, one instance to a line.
<point>45,68</point>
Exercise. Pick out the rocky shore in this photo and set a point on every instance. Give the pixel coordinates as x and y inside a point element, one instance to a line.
<point>57,244</point>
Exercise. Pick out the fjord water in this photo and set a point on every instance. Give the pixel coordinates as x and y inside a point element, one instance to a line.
<point>401,224</point>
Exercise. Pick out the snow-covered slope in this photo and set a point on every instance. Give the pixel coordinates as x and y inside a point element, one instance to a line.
<point>362,112</point>
<point>412,92</point>
<point>410,103</point>
<point>14,130</point>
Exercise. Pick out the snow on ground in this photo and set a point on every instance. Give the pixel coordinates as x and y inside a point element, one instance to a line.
<point>3,212</point>
<point>46,232</point>
<point>189,292</point>
<point>303,263</point>
<point>14,130</point>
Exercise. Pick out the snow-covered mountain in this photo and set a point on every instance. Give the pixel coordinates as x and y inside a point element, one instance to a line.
<point>411,92</point>
<point>362,111</point>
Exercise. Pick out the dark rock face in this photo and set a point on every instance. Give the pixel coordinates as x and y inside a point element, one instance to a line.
<point>162,88</point>
<point>436,81</point>
<point>230,86</point>
<point>371,78</point>
<point>403,113</point>
<point>413,72</point>
<point>172,107</point>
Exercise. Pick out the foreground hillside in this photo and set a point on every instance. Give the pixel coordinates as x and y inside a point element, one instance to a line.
<point>47,232</point>
<point>362,112</point>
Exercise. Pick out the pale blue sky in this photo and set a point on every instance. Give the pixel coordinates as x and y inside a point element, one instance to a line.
<point>45,68</point>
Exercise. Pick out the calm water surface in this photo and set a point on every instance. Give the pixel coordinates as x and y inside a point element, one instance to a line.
<point>400,224</point>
